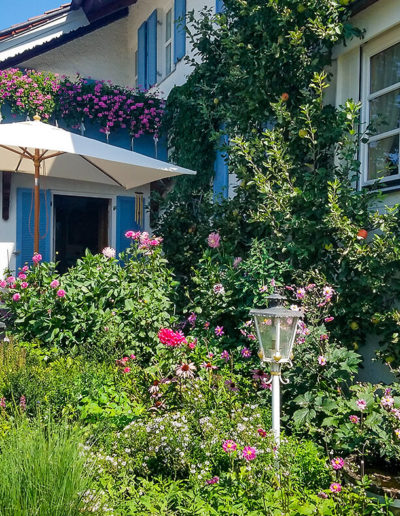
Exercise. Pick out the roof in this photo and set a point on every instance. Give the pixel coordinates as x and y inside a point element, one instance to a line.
<point>360,5</point>
<point>34,22</point>
<point>93,9</point>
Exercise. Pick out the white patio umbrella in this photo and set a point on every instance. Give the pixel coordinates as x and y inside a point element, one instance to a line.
<point>26,146</point>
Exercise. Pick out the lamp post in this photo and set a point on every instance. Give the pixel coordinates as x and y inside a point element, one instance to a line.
<point>276,330</point>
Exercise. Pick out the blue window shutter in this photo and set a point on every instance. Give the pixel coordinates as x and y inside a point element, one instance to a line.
<point>152,49</point>
<point>219,6</point>
<point>25,225</point>
<point>125,221</point>
<point>179,30</point>
<point>221,176</point>
<point>142,57</point>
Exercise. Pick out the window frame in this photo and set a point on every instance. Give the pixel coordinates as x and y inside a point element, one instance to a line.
<point>369,50</point>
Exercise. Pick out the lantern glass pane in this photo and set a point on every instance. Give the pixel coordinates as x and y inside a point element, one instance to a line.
<point>288,330</point>
<point>267,335</point>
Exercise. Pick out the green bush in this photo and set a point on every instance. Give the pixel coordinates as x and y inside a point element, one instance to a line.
<point>100,307</point>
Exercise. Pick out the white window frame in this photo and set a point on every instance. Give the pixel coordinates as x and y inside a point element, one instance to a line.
<point>369,50</point>
<point>169,42</point>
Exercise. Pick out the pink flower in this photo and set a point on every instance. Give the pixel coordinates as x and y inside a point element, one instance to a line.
<point>262,432</point>
<point>219,331</point>
<point>61,293</point>
<point>323,337</point>
<point>25,268</point>
<point>108,252</point>
<point>337,463</point>
<point>387,401</point>
<point>132,357</point>
<point>259,374</point>
<point>3,284</point>
<point>361,404</point>
<point>22,403</point>
<point>24,284</point>
<point>16,297</point>
<point>10,279</point>
<point>192,318</point>
<point>265,385</point>
<point>208,365</point>
<point>171,338</point>
<point>206,325</point>
<point>3,403</point>
<point>272,283</point>
<point>213,480</point>
<point>218,289</point>
<point>335,487</point>
<point>354,419</point>
<point>22,276</point>
<point>231,385</point>
<point>54,284</point>
<point>236,261</point>
<point>321,360</point>
<point>186,370</point>
<point>36,258</point>
<point>249,453</point>
<point>245,352</point>
<point>225,355</point>
<point>397,432</point>
<point>300,293</point>
<point>328,292</point>
<point>229,446</point>
<point>192,345</point>
<point>126,370</point>
<point>213,240</point>
<point>329,319</point>
<point>264,288</point>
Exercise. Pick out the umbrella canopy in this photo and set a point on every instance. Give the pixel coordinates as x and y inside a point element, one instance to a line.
<point>71,156</point>
<point>42,149</point>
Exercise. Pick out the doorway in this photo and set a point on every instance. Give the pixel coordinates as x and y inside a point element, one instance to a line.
<point>80,223</point>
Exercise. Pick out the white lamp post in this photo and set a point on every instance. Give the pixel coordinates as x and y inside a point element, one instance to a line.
<point>276,330</point>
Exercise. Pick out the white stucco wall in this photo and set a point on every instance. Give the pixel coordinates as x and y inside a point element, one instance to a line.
<point>8,229</point>
<point>101,54</point>
<point>138,13</point>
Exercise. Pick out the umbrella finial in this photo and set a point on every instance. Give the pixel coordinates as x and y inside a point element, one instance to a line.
<point>37,118</point>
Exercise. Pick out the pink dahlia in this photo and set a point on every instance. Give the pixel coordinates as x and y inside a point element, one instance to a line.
<point>229,446</point>
<point>249,453</point>
<point>24,284</point>
<point>55,284</point>
<point>246,353</point>
<point>127,370</point>
<point>213,240</point>
<point>3,284</point>
<point>10,279</point>
<point>219,331</point>
<point>16,297</point>
<point>36,258</point>
<point>337,463</point>
<point>171,338</point>
<point>335,487</point>
<point>22,276</point>
<point>61,292</point>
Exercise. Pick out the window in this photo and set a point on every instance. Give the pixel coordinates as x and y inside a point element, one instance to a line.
<point>136,80</point>
<point>168,45</point>
<point>381,104</point>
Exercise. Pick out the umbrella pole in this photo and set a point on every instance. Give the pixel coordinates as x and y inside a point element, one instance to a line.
<point>36,162</point>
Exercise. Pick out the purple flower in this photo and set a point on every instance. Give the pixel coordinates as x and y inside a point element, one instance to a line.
<point>213,240</point>
<point>225,355</point>
<point>231,385</point>
<point>354,419</point>
<point>246,353</point>
<point>337,463</point>
<point>219,331</point>
<point>236,261</point>
<point>213,480</point>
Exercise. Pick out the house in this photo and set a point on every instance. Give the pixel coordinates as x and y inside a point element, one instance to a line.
<point>130,43</point>
<point>137,43</point>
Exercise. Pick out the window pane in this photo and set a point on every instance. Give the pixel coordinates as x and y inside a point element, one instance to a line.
<point>168,60</point>
<point>384,112</point>
<point>385,68</point>
<point>383,157</point>
<point>168,25</point>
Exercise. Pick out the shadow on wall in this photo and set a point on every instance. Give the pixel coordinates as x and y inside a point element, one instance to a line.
<point>374,370</point>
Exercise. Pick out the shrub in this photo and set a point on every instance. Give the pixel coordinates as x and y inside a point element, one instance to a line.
<point>100,307</point>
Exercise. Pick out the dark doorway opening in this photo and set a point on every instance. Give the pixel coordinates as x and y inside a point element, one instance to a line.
<point>80,223</point>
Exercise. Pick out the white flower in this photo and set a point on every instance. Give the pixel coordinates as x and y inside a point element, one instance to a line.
<point>109,252</point>
<point>219,289</point>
